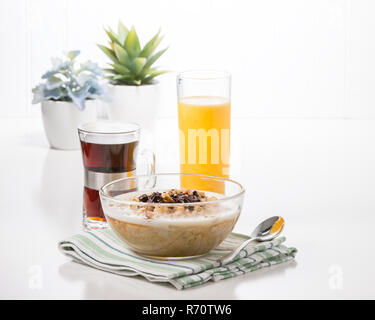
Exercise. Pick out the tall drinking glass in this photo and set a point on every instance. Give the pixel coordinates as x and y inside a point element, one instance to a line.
<point>109,152</point>
<point>204,117</point>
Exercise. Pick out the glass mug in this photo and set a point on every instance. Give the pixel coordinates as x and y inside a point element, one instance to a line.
<point>204,117</point>
<point>109,152</point>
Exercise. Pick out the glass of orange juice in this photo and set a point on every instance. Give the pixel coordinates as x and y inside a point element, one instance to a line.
<point>204,117</point>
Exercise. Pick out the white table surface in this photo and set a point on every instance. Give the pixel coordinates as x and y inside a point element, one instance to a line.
<point>317,173</point>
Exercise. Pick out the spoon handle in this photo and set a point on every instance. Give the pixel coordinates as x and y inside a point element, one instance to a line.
<point>228,257</point>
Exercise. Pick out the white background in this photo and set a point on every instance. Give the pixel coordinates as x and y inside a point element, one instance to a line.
<point>304,59</point>
<point>303,135</point>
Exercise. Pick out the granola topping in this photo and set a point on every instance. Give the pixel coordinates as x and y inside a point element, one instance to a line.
<point>172,196</point>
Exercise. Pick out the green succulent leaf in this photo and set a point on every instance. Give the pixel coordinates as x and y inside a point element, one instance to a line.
<point>138,64</point>
<point>125,80</point>
<point>122,77</point>
<point>151,46</point>
<point>122,70</point>
<point>112,36</point>
<point>122,33</point>
<point>122,55</point>
<point>110,53</point>
<point>132,45</point>
<point>132,65</point>
<point>152,75</point>
<point>155,57</point>
<point>146,72</point>
<point>112,71</point>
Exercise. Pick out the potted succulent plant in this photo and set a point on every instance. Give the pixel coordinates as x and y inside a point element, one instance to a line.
<point>68,95</point>
<point>133,89</point>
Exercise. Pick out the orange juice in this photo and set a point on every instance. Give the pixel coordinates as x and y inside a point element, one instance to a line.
<point>204,124</point>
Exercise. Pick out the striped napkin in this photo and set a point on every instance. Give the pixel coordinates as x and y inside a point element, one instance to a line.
<point>103,250</point>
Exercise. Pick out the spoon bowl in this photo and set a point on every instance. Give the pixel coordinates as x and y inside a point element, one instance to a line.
<point>266,231</point>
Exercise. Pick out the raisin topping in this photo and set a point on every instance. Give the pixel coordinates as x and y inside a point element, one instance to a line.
<point>143,198</point>
<point>183,196</point>
<point>155,197</point>
<point>172,196</point>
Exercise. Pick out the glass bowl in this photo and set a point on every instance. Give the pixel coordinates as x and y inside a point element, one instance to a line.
<point>172,230</point>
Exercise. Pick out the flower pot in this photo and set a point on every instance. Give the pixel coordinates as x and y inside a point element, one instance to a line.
<point>134,104</point>
<point>61,119</point>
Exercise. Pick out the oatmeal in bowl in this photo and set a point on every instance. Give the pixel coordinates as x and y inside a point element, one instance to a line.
<point>157,219</point>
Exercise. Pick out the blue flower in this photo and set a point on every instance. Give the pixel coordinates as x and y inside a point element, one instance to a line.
<point>73,54</point>
<point>53,82</point>
<point>92,67</point>
<point>64,82</point>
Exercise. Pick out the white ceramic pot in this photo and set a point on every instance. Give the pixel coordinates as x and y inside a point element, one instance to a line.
<point>134,104</point>
<point>61,120</point>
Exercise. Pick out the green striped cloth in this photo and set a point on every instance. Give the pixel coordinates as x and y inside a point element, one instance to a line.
<point>103,250</point>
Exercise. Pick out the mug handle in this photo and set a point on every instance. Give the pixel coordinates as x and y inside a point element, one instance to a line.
<point>148,158</point>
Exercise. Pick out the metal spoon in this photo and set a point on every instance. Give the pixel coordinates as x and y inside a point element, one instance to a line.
<point>266,231</point>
